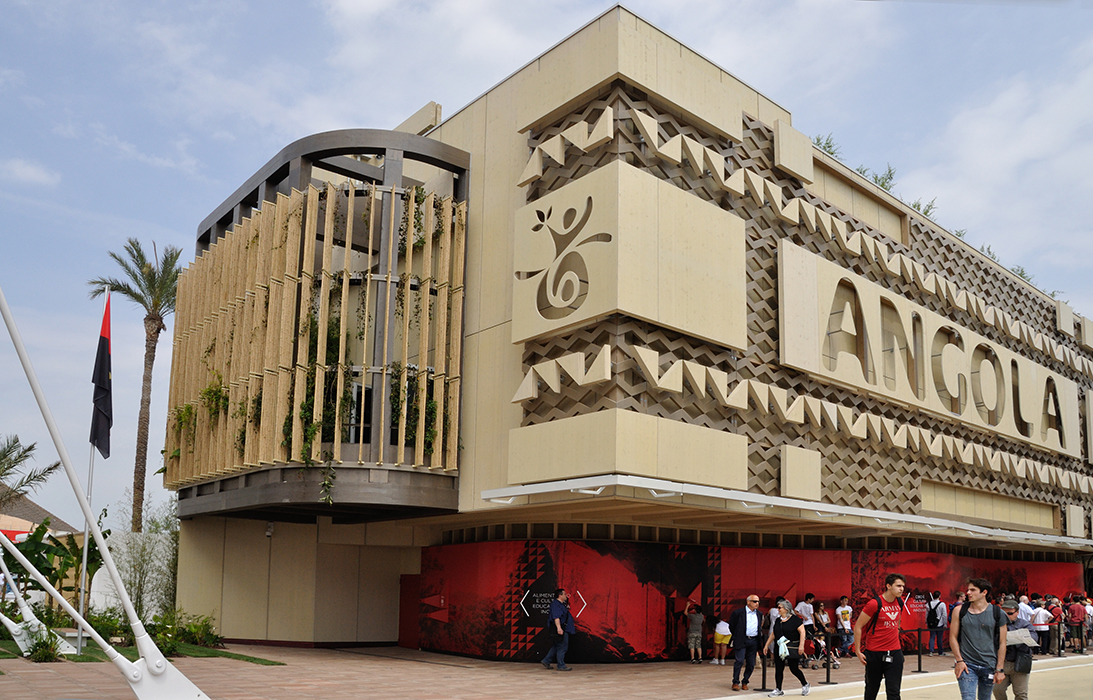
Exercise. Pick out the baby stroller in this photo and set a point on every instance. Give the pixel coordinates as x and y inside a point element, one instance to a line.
<point>816,653</point>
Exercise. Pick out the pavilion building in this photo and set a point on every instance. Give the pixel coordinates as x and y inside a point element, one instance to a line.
<point>615,326</point>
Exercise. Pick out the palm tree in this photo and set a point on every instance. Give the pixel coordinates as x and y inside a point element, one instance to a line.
<point>151,284</point>
<point>13,458</point>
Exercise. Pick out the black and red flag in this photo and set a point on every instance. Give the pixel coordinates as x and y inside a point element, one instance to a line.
<point>102,414</point>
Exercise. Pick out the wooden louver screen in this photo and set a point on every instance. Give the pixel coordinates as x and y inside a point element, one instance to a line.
<point>300,315</point>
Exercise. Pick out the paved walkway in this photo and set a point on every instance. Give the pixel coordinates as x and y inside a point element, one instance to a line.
<point>317,674</point>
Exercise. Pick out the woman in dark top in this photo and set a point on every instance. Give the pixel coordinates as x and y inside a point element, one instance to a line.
<point>791,627</point>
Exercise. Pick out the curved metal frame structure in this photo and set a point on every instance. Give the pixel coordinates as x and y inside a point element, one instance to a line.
<point>331,151</point>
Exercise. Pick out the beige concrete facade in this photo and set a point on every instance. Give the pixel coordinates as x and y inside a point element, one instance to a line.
<point>680,315</point>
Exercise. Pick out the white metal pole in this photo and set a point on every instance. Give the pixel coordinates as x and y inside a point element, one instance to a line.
<point>83,567</point>
<point>147,647</point>
<point>126,667</point>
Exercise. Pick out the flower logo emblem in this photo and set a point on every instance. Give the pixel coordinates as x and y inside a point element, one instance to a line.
<point>563,286</point>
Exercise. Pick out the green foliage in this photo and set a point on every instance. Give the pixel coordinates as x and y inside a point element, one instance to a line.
<point>827,145</point>
<point>886,180</point>
<point>960,233</point>
<point>215,398</point>
<point>45,648</point>
<point>14,472</point>
<point>412,412</point>
<point>989,252</point>
<point>927,209</point>
<point>404,224</point>
<point>185,422</point>
<point>110,622</point>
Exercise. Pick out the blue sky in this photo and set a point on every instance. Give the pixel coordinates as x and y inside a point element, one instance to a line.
<point>127,118</point>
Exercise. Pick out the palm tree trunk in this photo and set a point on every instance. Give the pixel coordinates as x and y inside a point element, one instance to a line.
<point>152,327</point>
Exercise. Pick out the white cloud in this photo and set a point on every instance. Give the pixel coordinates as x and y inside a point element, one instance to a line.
<point>1013,167</point>
<point>9,77</point>
<point>26,172</point>
<point>182,160</point>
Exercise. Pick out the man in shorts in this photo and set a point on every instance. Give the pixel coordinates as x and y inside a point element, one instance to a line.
<point>1076,613</point>
<point>694,620</point>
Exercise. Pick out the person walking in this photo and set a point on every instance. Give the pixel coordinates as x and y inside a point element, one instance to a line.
<point>561,625</point>
<point>977,637</point>
<point>936,619</point>
<point>745,628</point>
<point>876,639</point>
<point>788,637</point>
<point>721,637</point>
<point>1017,655</point>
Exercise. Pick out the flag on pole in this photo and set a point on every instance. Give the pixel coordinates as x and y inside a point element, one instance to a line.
<point>102,414</point>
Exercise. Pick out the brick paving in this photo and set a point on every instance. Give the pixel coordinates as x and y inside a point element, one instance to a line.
<point>319,674</point>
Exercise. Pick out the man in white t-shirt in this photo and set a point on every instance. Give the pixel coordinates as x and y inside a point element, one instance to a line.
<point>806,611</point>
<point>1024,610</point>
<point>844,624</point>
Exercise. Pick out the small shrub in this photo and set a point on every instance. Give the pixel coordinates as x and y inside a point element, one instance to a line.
<point>50,616</point>
<point>46,648</point>
<point>167,642</point>
<point>111,622</point>
<point>199,630</point>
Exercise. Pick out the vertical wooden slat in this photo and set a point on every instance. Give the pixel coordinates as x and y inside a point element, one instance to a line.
<point>270,438</point>
<point>440,374</point>
<point>350,213</point>
<point>307,267</point>
<point>456,335</point>
<point>404,400</point>
<point>250,316</point>
<point>289,313</point>
<point>366,370</point>
<point>263,224</point>
<point>392,243</point>
<point>424,286</point>
<point>324,313</point>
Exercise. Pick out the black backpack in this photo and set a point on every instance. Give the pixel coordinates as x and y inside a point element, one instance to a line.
<point>933,618</point>
<point>999,621</point>
<point>880,606</point>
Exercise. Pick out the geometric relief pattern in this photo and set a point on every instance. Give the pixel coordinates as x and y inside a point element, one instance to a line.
<point>532,564</point>
<point>854,473</point>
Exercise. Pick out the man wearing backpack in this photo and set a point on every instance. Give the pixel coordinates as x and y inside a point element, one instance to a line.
<point>1018,656</point>
<point>936,619</point>
<point>977,637</point>
<point>876,639</point>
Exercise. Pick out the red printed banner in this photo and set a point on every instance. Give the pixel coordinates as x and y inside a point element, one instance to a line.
<point>490,599</point>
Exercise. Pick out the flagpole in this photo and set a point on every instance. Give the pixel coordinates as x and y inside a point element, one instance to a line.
<point>97,442</point>
<point>83,567</point>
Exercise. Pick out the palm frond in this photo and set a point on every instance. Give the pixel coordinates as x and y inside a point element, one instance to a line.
<point>13,458</point>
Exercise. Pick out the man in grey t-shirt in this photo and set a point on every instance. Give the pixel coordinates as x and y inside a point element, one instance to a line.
<point>695,619</point>
<point>978,639</point>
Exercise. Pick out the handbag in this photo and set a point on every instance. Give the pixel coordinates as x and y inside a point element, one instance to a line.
<point>1023,662</point>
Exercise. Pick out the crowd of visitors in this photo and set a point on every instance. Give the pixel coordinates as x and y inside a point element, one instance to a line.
<point>992,636</point>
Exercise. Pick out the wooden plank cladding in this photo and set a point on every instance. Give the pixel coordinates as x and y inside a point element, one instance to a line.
<point>325,329</point>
